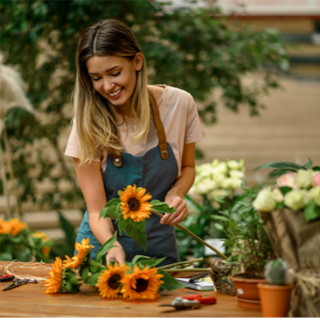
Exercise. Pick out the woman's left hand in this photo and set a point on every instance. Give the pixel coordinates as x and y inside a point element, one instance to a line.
<point>176,217</point>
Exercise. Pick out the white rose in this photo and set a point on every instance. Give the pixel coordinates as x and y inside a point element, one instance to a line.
<point>215,162</point>
<point>219,178</point>
<point>304,179</point>
<point>219,193</point>
<point>315,192</point>
<point>233,165</point>
<point>226,183</point>
<point>294,199</point>
<point>222,168</point>
<point>307,196</point>
<point>206,185</point>
<point>236,174</point>
<point>264,200</point>
<point>277,195</point>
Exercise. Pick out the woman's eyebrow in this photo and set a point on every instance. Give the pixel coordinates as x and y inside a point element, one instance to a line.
<point>106,71</point>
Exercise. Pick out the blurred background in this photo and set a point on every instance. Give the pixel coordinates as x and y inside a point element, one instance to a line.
<point>253,68</point>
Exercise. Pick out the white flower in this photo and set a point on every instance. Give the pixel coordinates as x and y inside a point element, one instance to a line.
<point>236,174</point>
<point>219,193</point>
<point>215,162</point>
<point>222,168</point>
<point>304,179</point>
<point>219,178</point>
<point>233,165</point>
<point>307,196</point>
<point>264,200</point>
<point>204,186</point>
<point>315,192</point>
<point>294,199</point>
<point>277,195</point>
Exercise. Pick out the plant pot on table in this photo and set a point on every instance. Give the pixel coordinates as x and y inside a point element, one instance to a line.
<point>247,290</point>
<point>275,300</point>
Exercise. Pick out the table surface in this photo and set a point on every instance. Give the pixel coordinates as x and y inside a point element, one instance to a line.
<point>30,301</point>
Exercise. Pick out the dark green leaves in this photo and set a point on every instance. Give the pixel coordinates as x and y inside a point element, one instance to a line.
<point>170,283</point>
<point>105,248</point>
<point>162,207</point>
<point>280,165</point>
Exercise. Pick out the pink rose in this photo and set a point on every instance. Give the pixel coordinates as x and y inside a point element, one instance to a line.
<point>288,180</point>
<point>316,180</point>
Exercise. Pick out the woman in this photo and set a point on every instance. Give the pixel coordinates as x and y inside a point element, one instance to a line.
<point>126,132</point>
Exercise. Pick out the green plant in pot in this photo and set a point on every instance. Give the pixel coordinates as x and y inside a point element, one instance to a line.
<point>247,243</point>
<point>275,295</point>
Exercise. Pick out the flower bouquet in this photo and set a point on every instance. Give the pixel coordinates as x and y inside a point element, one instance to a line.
<point>17,241</point>
<point>138,279</point>
<point>217,183</point>
<point>291,212</point>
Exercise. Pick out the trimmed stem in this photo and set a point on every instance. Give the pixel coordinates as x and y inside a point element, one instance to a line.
<point>186,270</point>
<point>182,263</point>
<point>194,236</point>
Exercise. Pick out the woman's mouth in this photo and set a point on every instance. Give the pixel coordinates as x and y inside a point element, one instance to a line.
<point>115,94</point>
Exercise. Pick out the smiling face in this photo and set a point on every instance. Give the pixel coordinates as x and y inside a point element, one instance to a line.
<point>114,77</point>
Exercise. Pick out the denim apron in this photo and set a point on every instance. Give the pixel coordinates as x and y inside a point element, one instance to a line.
<point>156,171</point>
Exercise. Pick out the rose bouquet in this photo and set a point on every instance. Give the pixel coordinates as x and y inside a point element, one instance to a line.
<point>290,211</point>
<point>17,241</point>
<point>298,190</point>
<point>138,279</point>
<point>218,184</point>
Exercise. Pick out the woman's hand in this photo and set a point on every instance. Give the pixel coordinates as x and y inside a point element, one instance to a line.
<point>117,253</point>
<point>180,205</point>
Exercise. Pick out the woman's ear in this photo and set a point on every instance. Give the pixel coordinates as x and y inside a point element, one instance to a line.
<point>138,61</point>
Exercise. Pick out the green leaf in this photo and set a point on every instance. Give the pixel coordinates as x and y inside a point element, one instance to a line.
<point>112,202</point>
<point>69,287</point>
<point>109,212</point>
<point>316,168</point>
<point>151,262</point>
<point>105,248</point>
<point>84,274</point>
<point>220,217</point>
<point>93,280</point>
<point>68,229</point>
<point>6,256</point>
<point>122,223</point>
<point>170,283</point>
<point>72,278</point>
<point>140,237</point>
<point>138,257</point>
<point>162,207</point>
<point>311,211</point>
<point>308,165</point>
<point>140,225</point>
<point>94,266</point>
<point>285,190</point>
<point>23,255</point>
<point>280,165</point>
<point>218,226</point>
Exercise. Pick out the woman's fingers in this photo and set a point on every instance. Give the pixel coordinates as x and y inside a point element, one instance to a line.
<point>174,218</point>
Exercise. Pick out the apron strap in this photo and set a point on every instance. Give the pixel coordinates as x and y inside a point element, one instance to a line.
<point>117,159</point>
<point>161,133</point>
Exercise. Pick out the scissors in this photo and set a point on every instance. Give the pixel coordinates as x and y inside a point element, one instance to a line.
<point>19,282</point>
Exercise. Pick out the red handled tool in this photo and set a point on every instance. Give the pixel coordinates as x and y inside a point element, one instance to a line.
<point>7,277</point>
<point>198,297</point>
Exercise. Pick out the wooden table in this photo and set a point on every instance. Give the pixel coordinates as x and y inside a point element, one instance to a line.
<point>31,301</point>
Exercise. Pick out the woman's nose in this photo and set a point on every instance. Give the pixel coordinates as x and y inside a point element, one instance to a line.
<point>108,85</point>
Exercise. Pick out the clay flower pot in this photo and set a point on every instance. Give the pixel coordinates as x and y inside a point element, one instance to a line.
<point>247,290</point>
<point>275,300</point>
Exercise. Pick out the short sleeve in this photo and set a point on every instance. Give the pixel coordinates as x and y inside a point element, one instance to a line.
<point>193,127</point>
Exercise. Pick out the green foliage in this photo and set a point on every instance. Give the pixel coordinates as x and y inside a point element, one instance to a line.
<point>190,49</point>
<point>24,245</point>
<point>247,241</point>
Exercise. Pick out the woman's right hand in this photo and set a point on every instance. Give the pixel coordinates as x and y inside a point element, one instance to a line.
<point>116,253</point>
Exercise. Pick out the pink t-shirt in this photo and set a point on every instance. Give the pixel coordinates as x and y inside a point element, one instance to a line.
<point>180,120</point>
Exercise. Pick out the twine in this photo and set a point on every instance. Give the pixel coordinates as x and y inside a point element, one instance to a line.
<point>16,264</point>
<point>309,284</point>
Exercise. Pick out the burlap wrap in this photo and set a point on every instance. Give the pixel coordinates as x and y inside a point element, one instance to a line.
<point>298,242</point>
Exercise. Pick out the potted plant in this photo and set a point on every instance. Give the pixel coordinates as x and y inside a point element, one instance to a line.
<point>275,295</point>
<point>291,213</point>
<point>247,243</point>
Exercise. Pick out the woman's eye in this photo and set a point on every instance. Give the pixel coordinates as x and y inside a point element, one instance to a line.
<point>115,74</point>
<point>95,79</point>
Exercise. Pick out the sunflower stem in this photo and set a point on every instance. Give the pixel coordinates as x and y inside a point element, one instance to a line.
<point>194,236</point>
<point>181,263</point>
<point>187,270</point>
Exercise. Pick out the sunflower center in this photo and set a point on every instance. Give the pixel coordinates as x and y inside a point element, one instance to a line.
<point>142,285</point>
<point>113,281</point>
<point>134,204</point>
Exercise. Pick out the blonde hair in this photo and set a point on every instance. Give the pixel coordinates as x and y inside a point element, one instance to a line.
<point>95,116</point>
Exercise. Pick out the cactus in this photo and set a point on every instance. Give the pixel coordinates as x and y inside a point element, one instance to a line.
<point>275,272</point>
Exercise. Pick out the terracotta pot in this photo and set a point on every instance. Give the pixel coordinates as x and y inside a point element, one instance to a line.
<point>275,300</point>
<point>246,287</point>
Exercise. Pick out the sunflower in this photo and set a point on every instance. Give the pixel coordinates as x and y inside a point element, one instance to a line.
<point>141,284</point>
<point>4,227</point>
<point>83,249</point>
<point>109,280</point>
<point>54,282</point>
<point>134,203</point>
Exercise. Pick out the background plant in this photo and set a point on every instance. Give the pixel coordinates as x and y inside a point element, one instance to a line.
<point>247,241</point>
<point>189,48</point>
